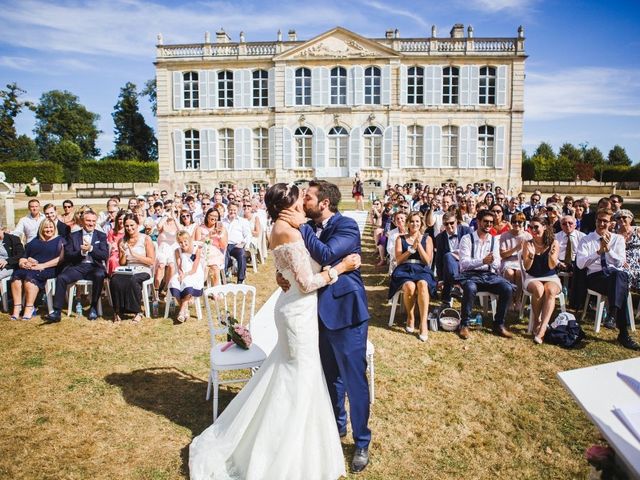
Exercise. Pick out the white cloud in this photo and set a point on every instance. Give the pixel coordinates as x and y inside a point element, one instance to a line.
<point>16,63</point>
<point>383,7</point>
<point>582,91</point>
<point>501,5</point>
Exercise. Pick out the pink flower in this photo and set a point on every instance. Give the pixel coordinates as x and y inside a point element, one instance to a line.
<point>599,456</point>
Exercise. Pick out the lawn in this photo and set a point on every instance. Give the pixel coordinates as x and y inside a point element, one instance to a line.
<point>93,400</point>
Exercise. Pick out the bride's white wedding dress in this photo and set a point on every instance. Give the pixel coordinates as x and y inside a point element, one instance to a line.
<point>281,425</point>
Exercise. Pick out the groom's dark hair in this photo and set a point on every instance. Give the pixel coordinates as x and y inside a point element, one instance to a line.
<point>328,191</point>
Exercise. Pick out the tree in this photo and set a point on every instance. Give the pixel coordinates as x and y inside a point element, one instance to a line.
<point>572,153</point>
<point>134,139</point>
<point>10,107</point>
<point>69,155</point>
<point>618,156</point>
<point>25,149</point>
<point>150,90</point>
<point>545,150</point>
<point>60,116</point>
<point>562,169</point>
<point>593,156</point>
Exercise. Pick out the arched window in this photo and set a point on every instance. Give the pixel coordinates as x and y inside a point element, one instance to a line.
<point>415,145</point>
<point>415,85</point>
<point>195,186</point>
<point>304,138</point>
<point>372,147</point>
<point>449,146</point>
<point>486,142</point>
<point>226,148</point>
<point>487,86</point>
<point>450,82</point>
<point>225,88</point>
<point>372,86</point>
<point>192,149</point>
<point>338,147</point>
<point>261,148</point>
<point>303,86</point>
<point>260,88</point>
<point>338,86</point>
<point>257,186</point>
<point>190,89</point>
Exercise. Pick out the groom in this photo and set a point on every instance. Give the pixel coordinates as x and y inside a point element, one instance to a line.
<point>342,311</point>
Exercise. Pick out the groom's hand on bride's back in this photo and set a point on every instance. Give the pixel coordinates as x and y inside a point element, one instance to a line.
<point>282,282</point>
<point>293,217</point>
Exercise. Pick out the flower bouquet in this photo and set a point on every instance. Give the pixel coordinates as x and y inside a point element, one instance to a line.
<point>236,333</point>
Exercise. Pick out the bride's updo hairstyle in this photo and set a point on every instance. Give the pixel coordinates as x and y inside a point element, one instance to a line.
<point>280,197</point>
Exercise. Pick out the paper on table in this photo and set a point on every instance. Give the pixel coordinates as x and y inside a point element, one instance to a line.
<point>630,416</point>
<point>631,379</point>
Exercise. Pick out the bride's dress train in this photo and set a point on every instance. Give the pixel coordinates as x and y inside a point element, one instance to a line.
<point>281,425</point>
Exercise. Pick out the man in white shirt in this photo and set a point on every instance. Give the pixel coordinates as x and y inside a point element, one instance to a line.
<point>479,264</point>
<point>603,254</point>
<point>239,234</point>
<point>27,227</point>
<point>568,239</point>
<point>400,221</point>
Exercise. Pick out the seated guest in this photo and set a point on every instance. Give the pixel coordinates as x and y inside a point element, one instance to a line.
<point>239,235</point>
<point>400,221</point>
<point>567,206</point>
<point>375,220</point>
<point>510,247</point>
<point>107,217</point>
<point>448,255</point>
<point>532,209</point>
<point>214,237</point>
<point>168,229</point>
<point>85,255</point>
<point>38,265</point>
<point>68,214</point>
<point>136,252</point>
<point>113,238</point>
<point>553,216</point>
<point>186,221</point>
<point>188,281</point>
<point>568,240</point>
<point>616,202</point>
<point>502,225</point>
<point>603,254</point>
<point>11,251</point>
<point>631,235</point>
<point>539,260</point>
<point>256,230</point>
<point>414,253</point>
<point>28,226</point>
<point>479,267</point>
<point>51,214</point>
<point>512,208</point>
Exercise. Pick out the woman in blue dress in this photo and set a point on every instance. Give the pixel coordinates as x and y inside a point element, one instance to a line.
<point>414,254</point>
<point>41,257</point>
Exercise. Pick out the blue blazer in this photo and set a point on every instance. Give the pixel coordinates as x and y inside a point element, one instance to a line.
<point>344,303</point>
<point>442,247</point>
<point>99,255</point>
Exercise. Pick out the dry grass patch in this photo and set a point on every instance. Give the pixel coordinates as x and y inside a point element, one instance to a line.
<point>91,400</point>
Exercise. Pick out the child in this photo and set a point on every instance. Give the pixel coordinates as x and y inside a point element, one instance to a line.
<point>188,281</point>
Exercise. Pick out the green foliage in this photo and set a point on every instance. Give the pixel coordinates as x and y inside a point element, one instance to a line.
<point>60,116</point>
<point>528,170</point>
<point>23,172</point>
<point>618,156</point>
<point>30,193</point>
<point>574,154</point>
<point>150,90</point>
<point>69,155</point>
<point>25,149</point>
<point>593,156</point>
<point>553,169</point>
<point>621,173</point>
<point>134,139</point>
<point>113,171</point>
<point>525,157</point>
<point>544,150</point>
<point>10,107</point>
<point>584,171</point>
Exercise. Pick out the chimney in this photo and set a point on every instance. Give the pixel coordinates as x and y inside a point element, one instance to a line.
<point>396,33</point>
<point>520,31</point>
<point>292,36</point>
<point>222,37</point>
<point>242,40</point>
<point>279,35</point>
<point>434,31</point>
<point>457,31</point>
<point>207,37</point>
<point>388,34</point>
<point>470,31</point>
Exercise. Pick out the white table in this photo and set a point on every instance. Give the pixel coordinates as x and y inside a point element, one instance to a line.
<point>597,390</point>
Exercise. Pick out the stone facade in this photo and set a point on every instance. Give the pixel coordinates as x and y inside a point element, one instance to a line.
<point>396,110</point>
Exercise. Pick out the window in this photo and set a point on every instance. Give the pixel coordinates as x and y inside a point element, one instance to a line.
<point>303,86</point>
<point>415,145</point>
<point>261,148</point>
<point>487,86</point>
<point>450,146</point>
<point>225,89</point>
<point>338,147</point>
<point>195,186</point>
<point>190,89</point>
<point>226,148</point>
<point>415,85</point>
<point>338,86</point>
<point>486,142</point>
<point>260,88</point>
<point>372,86</point>
<point>372,147</point>
<point>257,186</point>
<point>226,185</point>
<point>303,137</point>
<point>450,82</point>
<point>192,149</point>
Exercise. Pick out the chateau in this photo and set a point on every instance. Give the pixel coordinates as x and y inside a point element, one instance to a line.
<point>397,110</point>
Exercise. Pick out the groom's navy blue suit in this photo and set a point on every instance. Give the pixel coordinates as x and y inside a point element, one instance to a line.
<point>343,315</point>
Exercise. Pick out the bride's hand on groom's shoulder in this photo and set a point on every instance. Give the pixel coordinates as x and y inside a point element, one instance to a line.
<point>293,217</point>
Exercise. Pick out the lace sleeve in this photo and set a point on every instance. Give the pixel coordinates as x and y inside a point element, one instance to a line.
<point>296,258</point>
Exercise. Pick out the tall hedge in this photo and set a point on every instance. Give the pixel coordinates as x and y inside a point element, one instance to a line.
<point>528,170</point>
<point>117,171</point>
<point>23,172</point>
<point>619,173</point>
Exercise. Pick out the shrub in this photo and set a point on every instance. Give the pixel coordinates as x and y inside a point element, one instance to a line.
<point>619,173</point>
<point>23,172</point>
<point>528,170</point>
<point>584,171</point>
<point>30,193</point>
<point>117,171</point>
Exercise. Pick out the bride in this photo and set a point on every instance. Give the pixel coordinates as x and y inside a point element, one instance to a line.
<point>281,425</point>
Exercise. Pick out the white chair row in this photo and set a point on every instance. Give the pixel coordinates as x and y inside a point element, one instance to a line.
<point>601,300</point>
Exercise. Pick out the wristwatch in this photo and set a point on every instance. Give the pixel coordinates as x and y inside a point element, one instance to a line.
<point>411,250</point>
<point>333,276</point>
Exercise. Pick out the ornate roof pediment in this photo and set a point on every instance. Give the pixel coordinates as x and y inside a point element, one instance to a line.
<point>337,43</point>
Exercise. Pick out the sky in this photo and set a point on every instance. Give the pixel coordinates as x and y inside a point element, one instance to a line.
<point>582,75</point>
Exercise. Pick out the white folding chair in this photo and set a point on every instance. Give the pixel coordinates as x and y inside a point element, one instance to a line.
<point>169,298</point>
<point>240,302</point>
<point>371,368</point>
<point>395,301</point>
<point>487,299</point>
<point>600,302</point>
<point>147,293</point>
<point>527,295</point>
<point>72,289</point>
<point>4,291</point>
